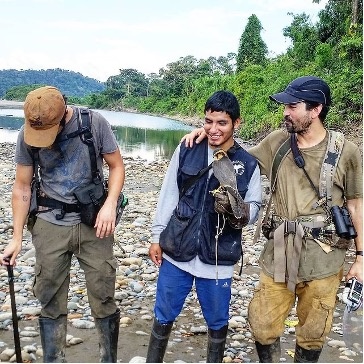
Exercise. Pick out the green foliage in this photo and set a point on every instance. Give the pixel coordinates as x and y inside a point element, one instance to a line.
<point>68,82</point>
<point>252,49</point>
<point>304,38</point>
<point>19,93</point>
<point>129,82</point>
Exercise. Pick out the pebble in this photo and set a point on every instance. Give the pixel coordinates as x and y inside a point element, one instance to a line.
<point>136,274</point>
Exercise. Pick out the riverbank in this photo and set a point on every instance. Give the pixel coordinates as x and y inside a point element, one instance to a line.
<point>135,289</point>
<point>353,133</point>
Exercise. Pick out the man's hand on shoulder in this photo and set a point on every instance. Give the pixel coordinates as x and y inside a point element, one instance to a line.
<point>189,138</point>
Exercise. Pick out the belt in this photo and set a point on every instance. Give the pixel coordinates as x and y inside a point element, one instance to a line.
<point>55,204</point>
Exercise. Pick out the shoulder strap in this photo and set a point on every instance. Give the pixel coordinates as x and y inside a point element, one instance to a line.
<point>281,153</point>
<point>333,151</point>
<point>85,133</point>
<point>35,151</point>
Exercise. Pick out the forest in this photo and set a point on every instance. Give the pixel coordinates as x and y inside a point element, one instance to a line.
<point>332,49</point>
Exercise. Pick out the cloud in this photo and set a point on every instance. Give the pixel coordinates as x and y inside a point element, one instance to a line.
<point>102,37</point>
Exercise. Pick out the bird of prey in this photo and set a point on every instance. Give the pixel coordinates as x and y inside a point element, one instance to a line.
<point>224,171</point>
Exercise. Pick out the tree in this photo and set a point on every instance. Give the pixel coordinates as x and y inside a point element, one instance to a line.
<point>129,82</point>
<point>252,48</point>
<point>304,38</point>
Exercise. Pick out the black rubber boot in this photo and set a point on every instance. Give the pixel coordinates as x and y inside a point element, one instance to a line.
<point>269,353</point>
<point>158,342</point>
<point>302,355</point>
<point>108,331</point>
<point>53,337</point>
<point>216,345</point>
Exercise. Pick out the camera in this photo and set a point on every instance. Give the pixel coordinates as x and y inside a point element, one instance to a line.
<point>343,224</point>
<point>353,294</point>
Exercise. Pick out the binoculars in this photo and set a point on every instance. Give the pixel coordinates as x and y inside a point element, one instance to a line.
<point>343,224</point>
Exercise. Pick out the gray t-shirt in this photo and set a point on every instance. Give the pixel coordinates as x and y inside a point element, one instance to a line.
<point>66,165</point>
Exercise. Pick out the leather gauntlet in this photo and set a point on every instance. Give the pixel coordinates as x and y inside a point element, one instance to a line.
<point>222,205</point>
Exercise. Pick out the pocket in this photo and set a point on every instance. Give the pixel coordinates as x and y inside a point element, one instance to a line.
<point>318,321</point>
<point>102,281</point>
<point>229,248</point>
<point>171,237</point>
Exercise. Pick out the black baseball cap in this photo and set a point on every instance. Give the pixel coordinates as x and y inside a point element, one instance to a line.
<point>306,88</point>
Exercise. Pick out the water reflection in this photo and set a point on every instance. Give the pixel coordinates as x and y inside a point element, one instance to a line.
<point>150,144</point>
<point>144,136</point>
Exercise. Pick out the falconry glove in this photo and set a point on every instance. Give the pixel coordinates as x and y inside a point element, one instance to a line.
<point>222,202</point>
<point>228,201</point>
<point>222,206</point>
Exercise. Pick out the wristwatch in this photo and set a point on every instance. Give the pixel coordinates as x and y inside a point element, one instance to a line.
<point>359,252</point>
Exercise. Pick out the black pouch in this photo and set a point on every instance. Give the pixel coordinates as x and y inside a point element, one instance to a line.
<point>267,229</point>
<point>90,198</point>
<point>33,207</point>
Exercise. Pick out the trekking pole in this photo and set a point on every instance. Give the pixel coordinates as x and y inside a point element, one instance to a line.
<point>13,312</point>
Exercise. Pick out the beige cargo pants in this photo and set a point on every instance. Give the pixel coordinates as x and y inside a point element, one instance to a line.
<point>272,302</point>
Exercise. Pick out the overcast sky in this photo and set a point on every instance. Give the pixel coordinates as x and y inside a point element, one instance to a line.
<point>99,37</point>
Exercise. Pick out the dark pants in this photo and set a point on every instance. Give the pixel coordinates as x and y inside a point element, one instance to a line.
<point>54,247</point>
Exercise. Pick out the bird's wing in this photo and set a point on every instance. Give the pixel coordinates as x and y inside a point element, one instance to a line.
<point>224,171</point>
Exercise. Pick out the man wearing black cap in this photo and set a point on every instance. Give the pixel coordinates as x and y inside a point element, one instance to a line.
<point>317,173</point>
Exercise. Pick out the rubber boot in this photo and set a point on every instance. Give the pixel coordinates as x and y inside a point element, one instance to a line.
<point>270,353</point>
<point>53,337</point>
<point>216,345</point>
<point>302,355</point>
<point>158,342</point>
<point>108,331</point>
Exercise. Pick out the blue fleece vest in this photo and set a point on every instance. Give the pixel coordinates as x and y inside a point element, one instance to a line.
<point>192,228</point>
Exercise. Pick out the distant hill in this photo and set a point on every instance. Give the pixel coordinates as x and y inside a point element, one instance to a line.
<point>70,83</point>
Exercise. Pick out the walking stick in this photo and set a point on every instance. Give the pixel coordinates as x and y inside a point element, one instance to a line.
<point>13,312</point>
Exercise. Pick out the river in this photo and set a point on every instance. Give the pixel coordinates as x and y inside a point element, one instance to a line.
<point>144,136</point>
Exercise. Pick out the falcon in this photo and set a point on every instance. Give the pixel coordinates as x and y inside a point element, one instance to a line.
<point>224,171</point>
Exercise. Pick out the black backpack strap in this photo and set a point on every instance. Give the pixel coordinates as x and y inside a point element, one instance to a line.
<point>85,133</point>
<point>36,178</point>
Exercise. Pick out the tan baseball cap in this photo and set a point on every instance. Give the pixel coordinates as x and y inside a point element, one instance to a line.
<point>44,109</point>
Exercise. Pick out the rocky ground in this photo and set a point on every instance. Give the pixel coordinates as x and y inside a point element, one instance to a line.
<point>135,290</point>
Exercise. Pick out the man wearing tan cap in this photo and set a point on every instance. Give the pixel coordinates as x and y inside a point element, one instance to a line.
<point>49,143</point>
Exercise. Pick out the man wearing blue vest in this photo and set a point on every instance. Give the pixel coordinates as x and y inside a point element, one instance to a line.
<point>197,229</point>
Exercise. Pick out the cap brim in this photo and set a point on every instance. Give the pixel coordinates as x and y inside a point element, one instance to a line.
<point>40,138</point>
<point>284,98</point>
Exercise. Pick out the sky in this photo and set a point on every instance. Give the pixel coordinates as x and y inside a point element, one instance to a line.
<point>97,38</point>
